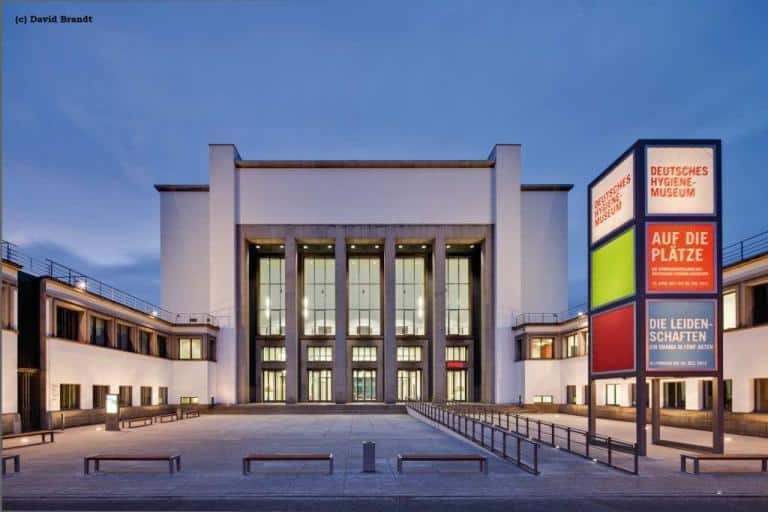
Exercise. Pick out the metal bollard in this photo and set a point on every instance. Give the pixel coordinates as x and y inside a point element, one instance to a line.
<point>369,457</point>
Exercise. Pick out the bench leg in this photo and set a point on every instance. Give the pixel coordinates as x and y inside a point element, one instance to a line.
<point>484,466</point>
<point>765,465</point>
<point>696,466</point>
<point>97,462</point>
<point>85,466</point>
<point>178,463</point>
<point>4,461</point>
<point>245,467</point>
<point>330,466</point>
<point>682,464</point>
<point>17,464</point>
<point>399,465</point>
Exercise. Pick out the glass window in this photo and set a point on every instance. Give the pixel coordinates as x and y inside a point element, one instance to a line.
<point>408,385</point>
<point>456,388</point>
<point>457,296</point>
<point>409,354</point>
<point>409,295</point>
<point>319,354</point>
<point>674,395</point>
<point>319,385</point>
<point>611,394</point>
<point>126,396</point>
<point>146,395</point>
<point>729,310</point>
<point>364,296</point>
<point>271,302</point>
<point>570,395</point>
<point>543,399</point>
<point>541,348</point>
<point>363,385</point>
<point>144,339</point>
<point>190,348</point>
<point>456,354</point>
<point>761,395</point>
<point>319,300</point>
<point>363,354</point>
<point>124,337</point>
<point>211,348</point>
<point>162,395</point>
<point>573,345</point>
<point>760,304</point>
<point>188,400</point>
<point>162,346</point>
<point>728,398</point>
<point>100,396</point>
<point>69,395</point>
<point>633,394</point>
<point>273,354</point>
<point>67,323</point>
<point>273,385</point>
<point>9,309</point>
<point>99,332</point>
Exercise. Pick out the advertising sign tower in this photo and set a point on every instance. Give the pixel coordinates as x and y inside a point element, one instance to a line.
<point>655,280</point>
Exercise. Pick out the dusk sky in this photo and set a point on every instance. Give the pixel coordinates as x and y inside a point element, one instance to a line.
<point>94,115</point>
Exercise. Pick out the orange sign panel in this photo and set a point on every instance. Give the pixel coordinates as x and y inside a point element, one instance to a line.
<point>680,258</point>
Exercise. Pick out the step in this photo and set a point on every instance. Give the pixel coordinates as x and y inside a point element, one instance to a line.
<point>304,408</point>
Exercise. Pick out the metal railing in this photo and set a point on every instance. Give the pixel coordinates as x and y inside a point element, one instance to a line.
<point>521,450</point>
<point>617,454</point>
<point>551,318</point>
<point>86,283</point>
<point>755,245</point>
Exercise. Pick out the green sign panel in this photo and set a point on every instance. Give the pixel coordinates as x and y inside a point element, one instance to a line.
<point>613,270</point>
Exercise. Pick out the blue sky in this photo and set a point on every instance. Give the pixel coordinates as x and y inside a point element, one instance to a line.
<point>94,115</point>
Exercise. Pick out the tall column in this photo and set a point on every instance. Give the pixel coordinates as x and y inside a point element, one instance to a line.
<point>438,319</point>
<point>291,323</point>
<point>694,395</point>
<point>390,340</point>
<point>340,346</point>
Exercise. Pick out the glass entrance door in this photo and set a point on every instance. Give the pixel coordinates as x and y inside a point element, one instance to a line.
<point>408,385</point>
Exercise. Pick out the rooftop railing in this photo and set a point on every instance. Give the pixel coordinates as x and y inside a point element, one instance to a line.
<point>551,318</point>
<point>69,276</point>
<point>751,247</point>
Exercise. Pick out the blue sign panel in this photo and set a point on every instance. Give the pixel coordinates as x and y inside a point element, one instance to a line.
<point>681,335</point>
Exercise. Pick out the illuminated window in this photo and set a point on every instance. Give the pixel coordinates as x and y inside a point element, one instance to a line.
<point>364,296</point>
<point>162,395</point>
<point>69,397</point>
<point>271,320</point>
<point>187,400</point>
<point>100,396</point>
<point>541,348</point>
<point>319,299</point>
<point>729,310</point>
<point>273,354</point>
<point>126,396</point>
<point>364,385</point>
<point>611,394</point>
<point>409,354</point>
<point>409,295</point>
<point>456,385</point>
<point>190,348</point>
<point>146,395</point>
<point>363,354</point>
<point>273,385</point>
<point>319,354</point>
<point>457,296</point>
<point>319,385</point>
<point>456,354</point>
<point>543,399</point>
<point>408,385</point>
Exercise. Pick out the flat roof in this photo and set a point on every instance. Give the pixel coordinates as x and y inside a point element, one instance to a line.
<point>363,164</point>
<point>544,187</point>
<point>182,188</point>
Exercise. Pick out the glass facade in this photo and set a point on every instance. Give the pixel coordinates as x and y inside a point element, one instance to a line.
<point>319,385</point>
<point>456,385</point>
<point>363,385</point>
<point>541,348</point>
<point>190,348</point>
<point>409,354</point>
<point>408,385</point>
<point>409,295</point>
<point>319,297</point>
<point>273,354</point>
<point>457,296</point>
<point>364,296</point>
<point>271,302</point>
<point>319,354</point>
<point>364,354</point>
<point>273,385</point>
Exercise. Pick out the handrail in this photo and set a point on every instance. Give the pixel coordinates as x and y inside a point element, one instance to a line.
<point>488,434</point>
<point>593,446</point>
<point>551,318</point>
<point>69,276</point>
<point>750,247</point>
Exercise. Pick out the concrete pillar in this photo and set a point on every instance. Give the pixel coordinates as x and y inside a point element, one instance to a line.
<point>390,340</point>
<point>694,395</point>
<point>340,346</point>
<point>291,323</point>
<point>625,395</point>
<point>743,395</point>
<point>438,319</point>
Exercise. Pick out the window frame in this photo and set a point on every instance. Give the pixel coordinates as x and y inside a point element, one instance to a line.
<point>369,378</point>
<point>329,315</point>
<point>400,285</point>
<point>273,354</point>
<point>542,338</point>
<point>403,350</point>
<point>317,354</point>
<point>59,328</point>
<point>121,399</point>
<point>260,311</point>
<point>69,397</point>
<point>145,400</point>
<point>324,384</point>
<point>92,319</point>
<point>190,339</point>
<point>365,354</point>
<point>369,284</point>
<point>470,294</point>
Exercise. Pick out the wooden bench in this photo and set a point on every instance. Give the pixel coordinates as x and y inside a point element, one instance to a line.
<point>696,458</point>
<point>423,457</point>
<point>286,457</point>
<point>190,413</point>
<point>140,421</point>
<point>149,457</point>
<point>42,433</point>
<point>167,417</point>
<point>16,462</point>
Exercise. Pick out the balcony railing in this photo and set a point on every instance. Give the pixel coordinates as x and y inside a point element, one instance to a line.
<point>551,318</point>
<point>86,283</point>
<point>755,245</point>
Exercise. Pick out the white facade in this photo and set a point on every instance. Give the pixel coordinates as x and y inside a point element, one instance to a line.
<point>530,263</point>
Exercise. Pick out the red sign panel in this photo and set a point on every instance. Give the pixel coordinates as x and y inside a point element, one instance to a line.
<point>456,364</point>
<point>680,258</point>
<point>613,340</point>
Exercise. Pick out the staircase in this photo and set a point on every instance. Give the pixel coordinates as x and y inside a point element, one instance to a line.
<point>304,408</point>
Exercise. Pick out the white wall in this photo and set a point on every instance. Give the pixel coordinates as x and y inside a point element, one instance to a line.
<point>88,365</point>
<point>545,251</point>
<point>508,267</point>
<point>745,358</point>
<point>365,196</point>
<point>10,361</point>
<point>184,251</point>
